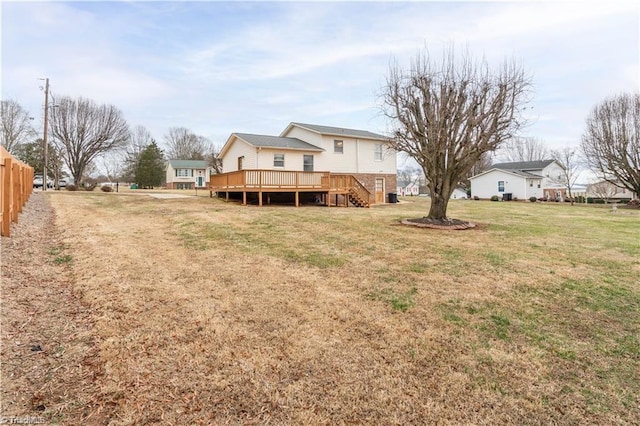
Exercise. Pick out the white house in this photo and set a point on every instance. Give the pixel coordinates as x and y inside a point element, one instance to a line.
<point>314,148</point>
<point>187,174</point>
<point>459,194</point>
<point>607,191</point>
<point>522,180</point>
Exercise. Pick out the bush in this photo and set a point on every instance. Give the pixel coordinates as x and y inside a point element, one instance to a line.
<point>533,199</point>
<point>495,198</point>
<point>106,188</point>
<point>72,187</point>
<point>475,197</point>
<point>90,187</point>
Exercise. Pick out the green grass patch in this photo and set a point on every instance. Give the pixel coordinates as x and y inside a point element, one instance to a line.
<point>398,300</point>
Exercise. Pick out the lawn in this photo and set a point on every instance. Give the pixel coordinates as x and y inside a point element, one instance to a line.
<point>209,312</point>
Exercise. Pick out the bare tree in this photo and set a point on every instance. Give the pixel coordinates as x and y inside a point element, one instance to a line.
<point>139,139</point>
<point>523,149</point>
<point>84,130</point>
<point>446,116</point>
<point>483,164</point>
<point>183,144</point>
<point>212,156</point>
<point>603,190</point>
<point>15,124</point>
<point>611,142</point>
<point>568,158</point>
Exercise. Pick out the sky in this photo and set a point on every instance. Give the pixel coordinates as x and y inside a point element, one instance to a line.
<point>254,67</point>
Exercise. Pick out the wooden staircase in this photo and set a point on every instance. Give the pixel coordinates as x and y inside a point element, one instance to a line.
<point>355,198</point>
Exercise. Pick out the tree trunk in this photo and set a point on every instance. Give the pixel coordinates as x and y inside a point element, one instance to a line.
<point>438,209</point>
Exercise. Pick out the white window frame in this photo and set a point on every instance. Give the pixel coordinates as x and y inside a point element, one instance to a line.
<point>499,185</point>
<point>277,159</point>
<point>184,172</point>
<point>377,152</point>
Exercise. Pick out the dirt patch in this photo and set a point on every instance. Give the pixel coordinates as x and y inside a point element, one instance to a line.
<point>48,349</point>
<point>446,224</point>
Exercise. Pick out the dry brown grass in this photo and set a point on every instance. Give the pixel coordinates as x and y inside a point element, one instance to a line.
<point>214,313</point>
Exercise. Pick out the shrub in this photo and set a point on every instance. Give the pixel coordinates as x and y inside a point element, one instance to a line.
<point>90,187</point>
<point>495,198</point>
<point>475,197</point>
<point>533,199</point>
<point>72,187</point>
<point>106,188</point>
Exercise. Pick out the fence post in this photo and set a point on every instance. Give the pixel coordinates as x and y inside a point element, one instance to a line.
<point>7,212</point>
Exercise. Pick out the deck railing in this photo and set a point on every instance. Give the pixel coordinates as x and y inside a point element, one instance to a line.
<point>274,180</point>
<point>270,179</point>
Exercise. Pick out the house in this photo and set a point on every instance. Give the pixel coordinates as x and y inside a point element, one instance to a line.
<point>459,194</point>
<point>307,163</point>
<point>187,174</point>
<point>523,180</point>
<point>407,188</point>
<point>607,191</point>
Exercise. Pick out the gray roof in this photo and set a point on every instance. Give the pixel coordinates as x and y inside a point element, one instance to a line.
<point>339,131</point>
<point>277,142</point>
<point>188,164</point>
<point>523,165</point>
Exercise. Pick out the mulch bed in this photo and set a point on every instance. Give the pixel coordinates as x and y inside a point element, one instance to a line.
<point>447,224</point>
<point>48,352</point>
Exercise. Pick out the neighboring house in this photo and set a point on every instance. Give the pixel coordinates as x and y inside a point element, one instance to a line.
<point>407,188</point>
<point>607,191</point>
<point>319,161</point>
<point>459,194</point>
<point>187,174</point>
<point>522,180</point>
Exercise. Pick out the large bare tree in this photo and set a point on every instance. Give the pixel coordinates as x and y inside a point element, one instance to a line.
<point>84,130</point>
<point>15,125</point>
<point>569,159</point>
<point>523,149</point>
<point>183,144</point>
<point>447,115</point>
<point>611,142</point>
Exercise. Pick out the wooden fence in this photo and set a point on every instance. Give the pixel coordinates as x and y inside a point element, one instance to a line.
<point>16,185</point>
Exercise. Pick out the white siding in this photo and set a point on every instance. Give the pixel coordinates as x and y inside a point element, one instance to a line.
<point>357,156</point>
<point>486,186</point>
<point>239,148</point>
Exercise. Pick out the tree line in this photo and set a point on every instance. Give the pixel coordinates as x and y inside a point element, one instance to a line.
<point>86,136</point>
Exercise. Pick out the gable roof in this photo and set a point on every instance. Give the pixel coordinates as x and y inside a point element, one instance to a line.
<point>523,165</point>
<point>335,131</point>
<point>519,173</point>
<point>266,141</point>
<point>188,164</point>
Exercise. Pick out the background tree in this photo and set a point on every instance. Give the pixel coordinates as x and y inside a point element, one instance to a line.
<point>84,130</point>
<point>523,149</point>
<point>15,126</point>
<point>603,190</point>
<point>569,159</point>
<point>447,115</point>
<point>31,153</point>
<point>611,141</point>
<point>183,144</point>
<point>139,139</point>
<point>212,156</point>
<point>150,168</point>
<point>483,164</point>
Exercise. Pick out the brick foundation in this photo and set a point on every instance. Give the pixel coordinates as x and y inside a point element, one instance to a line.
<point>369,182</point>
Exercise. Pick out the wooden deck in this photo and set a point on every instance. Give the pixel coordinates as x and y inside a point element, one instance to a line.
<point>325,184</point>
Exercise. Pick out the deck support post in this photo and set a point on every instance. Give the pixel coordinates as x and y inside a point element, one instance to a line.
<point>244,198</point>
<point>297,199</point>
<point>260,198</point>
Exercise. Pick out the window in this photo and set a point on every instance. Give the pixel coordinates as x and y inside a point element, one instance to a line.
<point>184,172</point>
<point>377,152</point>
<point>278,160</point>
<point>240,162</point>
<point>500,186</point>
<point>338,146</point>
<point>530,184</point>
<point>308,163</point>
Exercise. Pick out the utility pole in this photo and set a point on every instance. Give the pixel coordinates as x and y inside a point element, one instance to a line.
<point>45,143</point>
